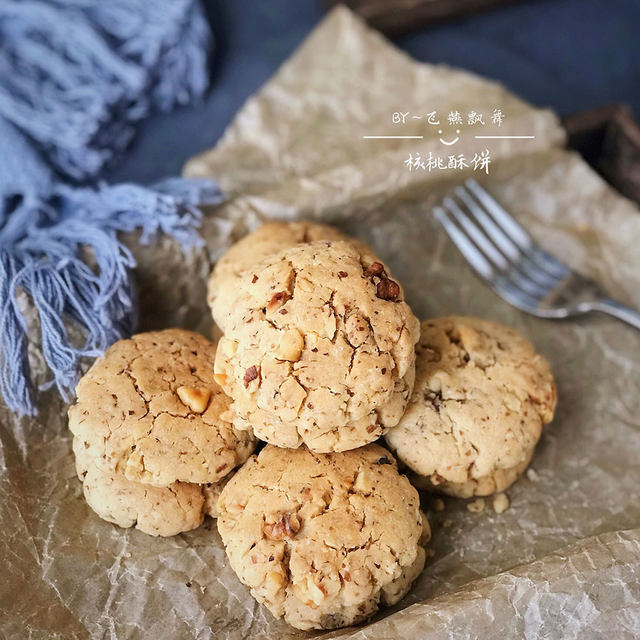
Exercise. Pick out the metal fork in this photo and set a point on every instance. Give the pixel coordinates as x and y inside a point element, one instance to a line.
<point>505,256</point>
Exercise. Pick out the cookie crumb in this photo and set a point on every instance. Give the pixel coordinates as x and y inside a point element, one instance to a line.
<point>500,503</point>
<point>425,536</point>
<point>438,504</point>
<point>447,523</point>
<point>532,475</point>
<point>477,506</point>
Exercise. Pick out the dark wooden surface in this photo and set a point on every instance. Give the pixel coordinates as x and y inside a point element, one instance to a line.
<point>609,140</point>
<point>395,17</point>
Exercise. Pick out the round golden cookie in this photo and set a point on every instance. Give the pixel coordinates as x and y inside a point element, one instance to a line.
<point>253,248</point>
<point>318,349</point>
<point>157,511</point>
<point>481,397</point>
<point>323,539</point>
<point>151,410</point>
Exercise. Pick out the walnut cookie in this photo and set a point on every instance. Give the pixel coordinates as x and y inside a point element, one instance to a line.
<point>254,247</point>
<point>151,411</point>
<point>157,511</point>
<point>481,397</point>
<point>318,349</point>
<point>323,539</point>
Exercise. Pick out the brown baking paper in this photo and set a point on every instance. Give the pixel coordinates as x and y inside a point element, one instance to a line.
<point>563,561</point>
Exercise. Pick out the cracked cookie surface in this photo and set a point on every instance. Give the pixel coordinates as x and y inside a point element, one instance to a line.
<point>323,539</point>
<point>481,397</point>
<point>319,348</point>
<point>151,411</point>
<point>157,511</point>
<point>254,247</point>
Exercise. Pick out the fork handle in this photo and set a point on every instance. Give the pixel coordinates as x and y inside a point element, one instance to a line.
<point>620,311</point>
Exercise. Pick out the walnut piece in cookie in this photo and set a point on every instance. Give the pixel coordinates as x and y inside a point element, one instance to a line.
<point>323,539</point>
<point>238,263</point>
<point>336,371</point>
<point>481,397</point>
<point>152,412</point>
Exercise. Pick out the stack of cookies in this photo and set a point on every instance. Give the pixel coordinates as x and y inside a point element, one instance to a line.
<point>320,357</point>
<point>153,435</point>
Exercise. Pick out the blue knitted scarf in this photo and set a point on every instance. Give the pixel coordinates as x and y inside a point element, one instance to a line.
<point>75,78</point>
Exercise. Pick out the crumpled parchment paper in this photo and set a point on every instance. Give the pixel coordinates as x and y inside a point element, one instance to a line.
<point>562,562</point>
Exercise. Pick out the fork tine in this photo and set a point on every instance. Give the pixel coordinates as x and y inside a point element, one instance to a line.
<point>508,291</point>
<point>534,271</point>
<point>493,230</point>
<point>466,247</point>
<point>485,244</point>
<point>516,233</point>
<point>480,239</point>
<point>517,253</point>
<point>503,287</point>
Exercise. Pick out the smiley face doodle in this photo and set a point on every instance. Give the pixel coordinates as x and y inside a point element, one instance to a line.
<point>448,143</point>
